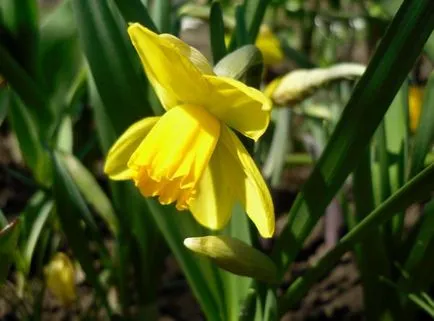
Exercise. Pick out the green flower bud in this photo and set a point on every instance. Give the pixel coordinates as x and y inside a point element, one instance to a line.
<point>234,256</point>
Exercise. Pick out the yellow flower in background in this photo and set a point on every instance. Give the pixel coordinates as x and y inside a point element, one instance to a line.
<point>60,278</point>
<point>415,98</point>
<point>268,44</point>
<point>190,156</point>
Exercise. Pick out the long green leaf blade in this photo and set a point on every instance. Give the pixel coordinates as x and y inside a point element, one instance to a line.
<point>115,66</point>
<point>217,32</point>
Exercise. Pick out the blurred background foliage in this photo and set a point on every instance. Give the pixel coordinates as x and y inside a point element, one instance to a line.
<point>347,157</point>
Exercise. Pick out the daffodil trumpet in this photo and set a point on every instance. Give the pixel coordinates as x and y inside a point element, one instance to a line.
<point>190,156</point>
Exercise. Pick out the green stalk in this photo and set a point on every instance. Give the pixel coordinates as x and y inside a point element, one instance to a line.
<point>372,258</point>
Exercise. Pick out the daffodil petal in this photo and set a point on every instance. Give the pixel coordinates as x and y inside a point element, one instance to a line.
<point>175,78</point>
<point>212,206</point>
<point>119,154</point>
<point>171,159</point>
<point>252,191</point>
<point>231,177</point>
<point>194,55</point>
<point>241,107</point>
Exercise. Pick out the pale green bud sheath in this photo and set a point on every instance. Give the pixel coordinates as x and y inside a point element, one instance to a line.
<point>234,256</point>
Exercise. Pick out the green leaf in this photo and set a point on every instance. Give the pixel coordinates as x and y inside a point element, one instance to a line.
<point>91,191</point>
<point>420,244</point>
<point>423,301</point>
<point>36,228</point>
<point>27,134</point>
<point>270,308</point>
<point>217,32</point>
<point>3,221</point>
<point>115,66</point>
<point>138,237</point>
<point>425,132</point>
<point>391,6</point>
<point>362,115</point>
<point>280,146</point>
<point>203,12</point>
<point>241,32</point>
<point>416,189</point>
<point>372,258</point>
<point>70,208</point>
<point>8,242</point>
<point>20,18</point>
<point>239,63</point>
<point>135,11</point>
<point>254,13</point>
<point>161,13</point>
<point>397,137</point>
<point>4,104</point>
<point>20,81</point>
<point>248,307</point>
<point>236,287</point>
<point>61,60</point>
<point>64,139</point>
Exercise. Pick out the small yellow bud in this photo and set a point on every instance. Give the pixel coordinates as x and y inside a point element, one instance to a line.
<point>234,256</point>
<point>415,98</point>
<point>60,278</point>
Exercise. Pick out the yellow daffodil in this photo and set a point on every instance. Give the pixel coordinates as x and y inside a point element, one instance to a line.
<point>415,98</point>
<point>268,44</point>
<point>190,156</point>
<point>60,278</point>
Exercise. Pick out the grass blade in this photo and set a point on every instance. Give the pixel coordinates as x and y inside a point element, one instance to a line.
<point>91,191</point>
<point>115,67</point>
<point>254,13</point>
<point>135,11</point>
<point>26,130</point>
<point>20,80</point>
<point>21,20</point>
<point>372,259</point>
<point>8,242</point>
<point>217,32</point>
<point>162,11</point>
